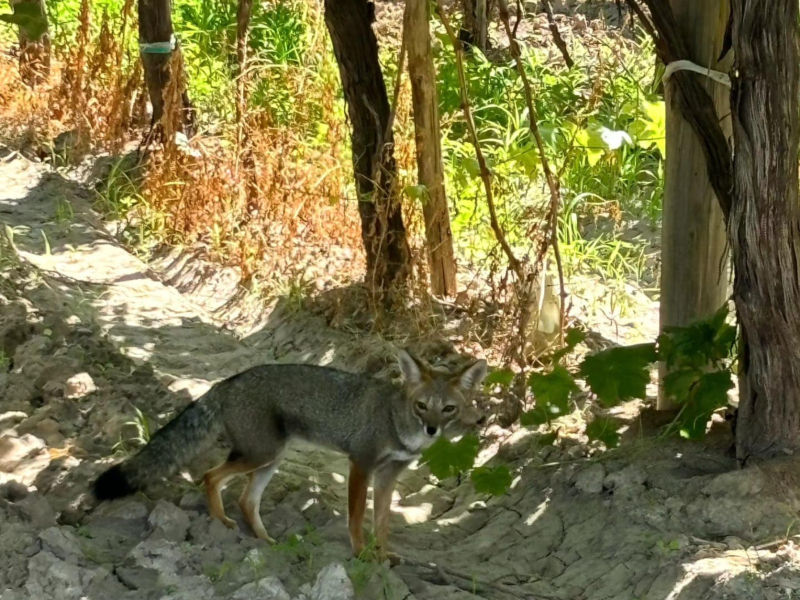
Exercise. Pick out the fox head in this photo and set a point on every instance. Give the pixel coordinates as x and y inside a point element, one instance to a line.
<point>441,401</point>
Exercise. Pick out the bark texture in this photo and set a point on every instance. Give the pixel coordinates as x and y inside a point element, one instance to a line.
<point>382,230</point>
<point>764,224</point>
<point>155,25</point>
<point>439,237</point>
<point>694,272</point>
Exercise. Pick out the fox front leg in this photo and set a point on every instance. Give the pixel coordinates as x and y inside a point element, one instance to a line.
<point>385,479</point>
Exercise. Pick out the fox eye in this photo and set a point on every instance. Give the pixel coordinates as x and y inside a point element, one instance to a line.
<point>449,408</point>
<point>422,406</point>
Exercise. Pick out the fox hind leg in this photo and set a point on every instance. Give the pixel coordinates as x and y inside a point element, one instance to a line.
<point>250,500</point>
<point>216,479</point>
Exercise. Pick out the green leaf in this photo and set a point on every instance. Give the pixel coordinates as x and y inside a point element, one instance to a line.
<point>502,377</point>
<point>678,384</point>
<point>473,167</point>
<point>446,458</point>
<point>491,480</point>
<point>619,373</point>
<point>527,159</point>
<point>552,391</point>
<point>710,394</point>
<point>592,141</point>
<point>698,344</point>
<point>572,338</point>
<point>604,429</point>
<point>417,192</point>
<point>30,18</point>
<point>535,417</point>
<point>547,439</point>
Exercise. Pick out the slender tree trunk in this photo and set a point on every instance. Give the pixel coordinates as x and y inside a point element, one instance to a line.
<point>155,26</point>
<point>350,25</point>
<point>429,148</point>
<point>243,13</point>
<point>475,28</point>
<point>34,51</point>
<point>764,224</point>
<point>694,271</point>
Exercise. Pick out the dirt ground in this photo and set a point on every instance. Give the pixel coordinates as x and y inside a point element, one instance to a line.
<point>90,334</point>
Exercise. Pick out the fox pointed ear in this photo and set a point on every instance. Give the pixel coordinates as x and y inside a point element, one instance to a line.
<point>411,367</point>
<point>471,377</point>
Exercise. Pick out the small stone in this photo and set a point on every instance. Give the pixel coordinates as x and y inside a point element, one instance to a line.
<point>14,450</point>
<point>590,480</point>
<point>168,522</point>
<point>268,588</point>
<point>192,500</point>
<point>332,584</point>
<point>137,578</point>
<point>13,491</point>
<point>53,391</point>
<point>79,385</point>
<point>734,543</point>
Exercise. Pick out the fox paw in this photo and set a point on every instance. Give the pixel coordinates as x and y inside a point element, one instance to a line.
<point>229,523</point>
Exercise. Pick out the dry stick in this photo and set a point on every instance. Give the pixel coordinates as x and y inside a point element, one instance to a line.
<point>552,182</point>
<point>513,261</point>
<point>466,582</point>
<point>551,20</point>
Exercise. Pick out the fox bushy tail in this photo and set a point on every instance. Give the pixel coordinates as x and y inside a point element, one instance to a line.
<point>171,448</point>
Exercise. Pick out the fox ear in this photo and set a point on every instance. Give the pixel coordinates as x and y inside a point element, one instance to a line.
<point>411,368</point>
<point>472,376</point>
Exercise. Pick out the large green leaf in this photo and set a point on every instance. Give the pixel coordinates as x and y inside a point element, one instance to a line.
<point>605,430</point>
<point>619,373</point>
<point>553,390</point>
<point>446,458</point>
<point>491,480</point>
<point>710,394</point>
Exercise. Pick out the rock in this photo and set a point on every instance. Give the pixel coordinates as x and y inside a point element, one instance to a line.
<point>734,543</point>
<point>63,544</point>
<point>51,577</point>
<point>36,509</point>
<point>628,483</point>
<point>13,491</point>
<point>53,391</point>
<point>269,588</point>
<point>168,522</point>
<point>136,578</point>
<point>192,500</point>
<point>332,584</point>
<point>79,385</point>
<point>161,556</point>
<point>14,328</point>
<point>15,450</point>
<point>49,430</point>
<point>590,480</point>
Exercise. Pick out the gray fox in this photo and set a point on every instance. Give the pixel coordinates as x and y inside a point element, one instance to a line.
<point>381,426</point>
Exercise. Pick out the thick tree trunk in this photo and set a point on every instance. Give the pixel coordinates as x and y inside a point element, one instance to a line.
<point>350,25</point>
<point>155,26</point>
<point>475,28</point>
<point>694,271</point>
<point>764,224</point>
<point>441,258</point>
<point>34,51</point>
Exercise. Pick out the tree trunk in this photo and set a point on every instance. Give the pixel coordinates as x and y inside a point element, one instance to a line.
<point>155,26</point>
<point>441,258</point>
<point>694,270</point>
<point>350,25</point>
<point>243,13</point>
<point>764,224</point>
<point>475,29</point>
<point>34,49</point>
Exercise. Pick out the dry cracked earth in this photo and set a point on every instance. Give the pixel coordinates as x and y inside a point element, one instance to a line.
<point>89,334</point>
